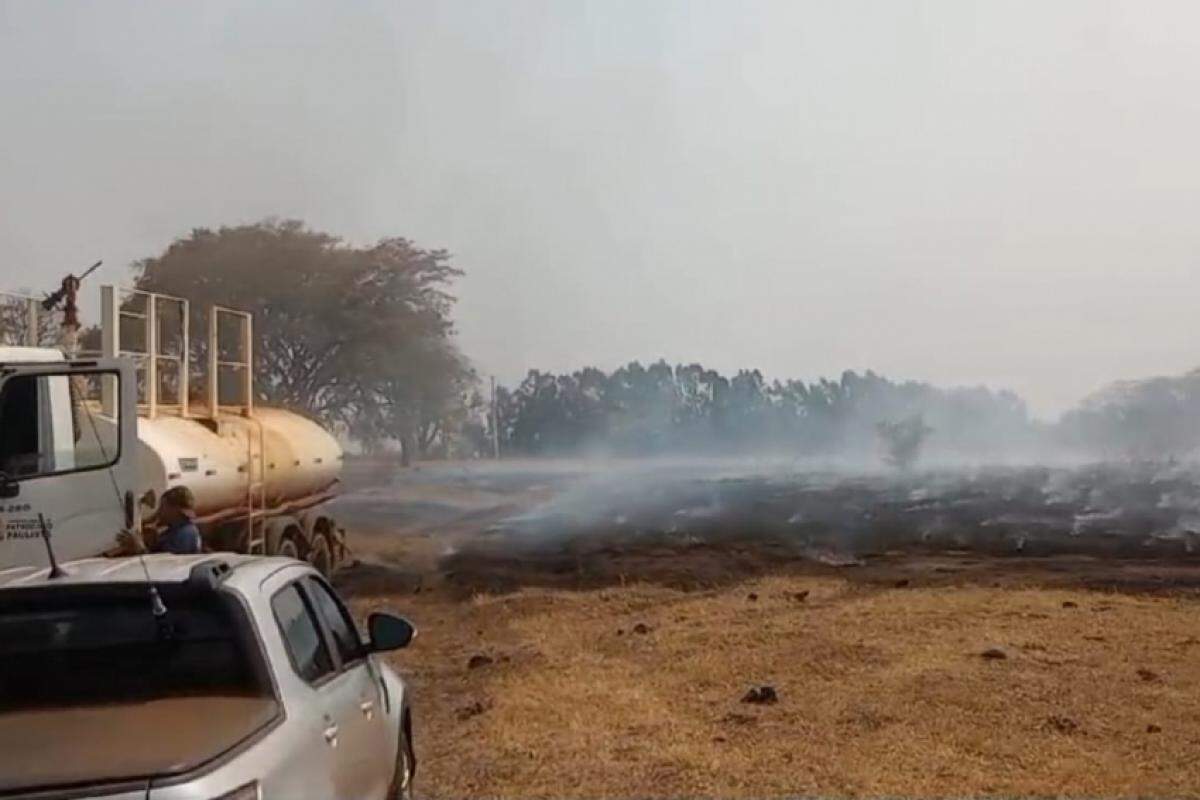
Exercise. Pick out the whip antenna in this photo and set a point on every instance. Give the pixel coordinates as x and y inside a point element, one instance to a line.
<point>55,571</point>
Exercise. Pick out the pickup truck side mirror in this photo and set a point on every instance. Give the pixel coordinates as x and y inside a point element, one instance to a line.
<point>389,632</point>
<point>8,487</point>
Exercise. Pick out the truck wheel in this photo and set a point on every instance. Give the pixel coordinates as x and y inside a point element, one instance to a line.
<point>288,548</point>
<point>285,537</point>
<point>320,554</point>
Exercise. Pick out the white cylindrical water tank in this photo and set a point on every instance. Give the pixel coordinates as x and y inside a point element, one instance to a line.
<point>300,459</point>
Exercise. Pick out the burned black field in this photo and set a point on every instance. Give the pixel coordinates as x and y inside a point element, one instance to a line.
<point>626,525</point>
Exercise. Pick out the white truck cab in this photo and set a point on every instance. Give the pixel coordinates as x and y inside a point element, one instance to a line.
<point>68,437</point>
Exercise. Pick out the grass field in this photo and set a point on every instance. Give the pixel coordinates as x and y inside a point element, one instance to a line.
<point>880,692</point>
<point>621,672</point>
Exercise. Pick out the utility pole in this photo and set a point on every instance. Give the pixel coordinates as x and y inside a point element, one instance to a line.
<point>495,423</point>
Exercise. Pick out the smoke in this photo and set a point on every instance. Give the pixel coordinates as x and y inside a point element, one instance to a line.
<point>1148,419</point>
<point>989,487</point>
<point>1130,510</point>
<point>659,410</point>
<point>856,422</point>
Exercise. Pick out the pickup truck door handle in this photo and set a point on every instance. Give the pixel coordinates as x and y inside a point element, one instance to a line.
<point>331,735</point>
<point>367,707</point>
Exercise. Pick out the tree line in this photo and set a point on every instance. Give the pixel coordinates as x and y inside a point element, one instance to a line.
<point>661,409</point>
<point>362,338</point>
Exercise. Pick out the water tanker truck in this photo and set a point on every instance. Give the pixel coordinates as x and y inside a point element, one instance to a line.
<point>89,442</point>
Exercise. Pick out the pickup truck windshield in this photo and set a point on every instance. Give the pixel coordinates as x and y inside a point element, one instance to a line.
<point>101,647</point>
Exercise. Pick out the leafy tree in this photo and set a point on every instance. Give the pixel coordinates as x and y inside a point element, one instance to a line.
<point>14,323</point>
<point>360,337</point>
<point>1149,419</point>
<point>903,440</point>
<point>420,395</point>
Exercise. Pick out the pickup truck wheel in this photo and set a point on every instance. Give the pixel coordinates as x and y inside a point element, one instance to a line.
<point>320,554</point>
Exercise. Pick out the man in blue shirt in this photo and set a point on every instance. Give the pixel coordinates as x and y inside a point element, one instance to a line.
<point>176,510</point>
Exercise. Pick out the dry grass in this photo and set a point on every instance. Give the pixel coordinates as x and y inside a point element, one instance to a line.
<point>882,692</point>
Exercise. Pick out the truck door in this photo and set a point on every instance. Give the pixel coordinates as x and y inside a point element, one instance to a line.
<point>68,451</point>
<point>312,697</point>
<point>368,761</point>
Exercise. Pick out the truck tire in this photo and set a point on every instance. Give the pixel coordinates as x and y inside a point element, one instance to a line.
<point>320,554</point>
<point>285,537</point>
<point>288,547</point>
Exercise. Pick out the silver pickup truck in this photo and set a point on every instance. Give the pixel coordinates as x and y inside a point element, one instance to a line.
<point>212,677</point>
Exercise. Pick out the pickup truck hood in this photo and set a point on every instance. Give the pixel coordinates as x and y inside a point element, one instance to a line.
<point>46,748</point>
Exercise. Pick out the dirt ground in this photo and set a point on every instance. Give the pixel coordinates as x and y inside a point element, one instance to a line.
<point>619,666</point>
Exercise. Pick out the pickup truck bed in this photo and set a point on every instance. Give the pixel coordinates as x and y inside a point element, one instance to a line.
<point>62,746</point>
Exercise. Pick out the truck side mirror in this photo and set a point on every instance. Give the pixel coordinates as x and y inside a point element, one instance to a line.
<point>8,487</point>
<point>389,632</point>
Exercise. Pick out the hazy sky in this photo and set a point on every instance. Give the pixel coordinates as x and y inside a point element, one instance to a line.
<point>1004,193</point>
